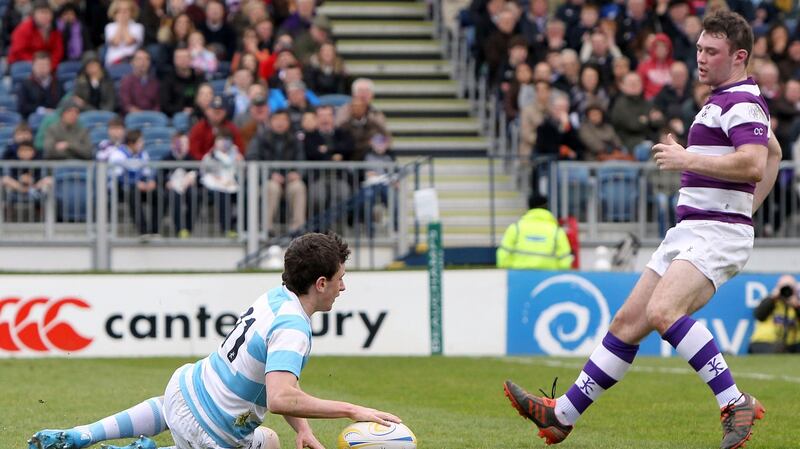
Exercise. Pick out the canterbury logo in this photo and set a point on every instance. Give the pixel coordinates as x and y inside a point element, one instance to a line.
<point>45,334</point>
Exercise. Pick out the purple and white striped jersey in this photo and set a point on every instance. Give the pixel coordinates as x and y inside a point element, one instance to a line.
<point>734,115</point>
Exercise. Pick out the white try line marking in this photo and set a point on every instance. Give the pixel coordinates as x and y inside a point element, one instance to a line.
<point>649,369</point>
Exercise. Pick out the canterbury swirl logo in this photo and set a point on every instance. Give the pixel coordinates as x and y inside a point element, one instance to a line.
<point>45,334</point>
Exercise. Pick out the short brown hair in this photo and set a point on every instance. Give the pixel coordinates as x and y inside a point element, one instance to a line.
<point>735,29</point>
<point>311,256</point>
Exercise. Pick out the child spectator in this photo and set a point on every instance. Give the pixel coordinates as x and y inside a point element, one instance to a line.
<point>116,138</point>
<point>25,184</point>
<point>182,187</point>
<point>218,175</point>
<point>134,178</point>
<point>204,61</point>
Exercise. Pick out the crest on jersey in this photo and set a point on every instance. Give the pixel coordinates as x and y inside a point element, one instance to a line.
<point>756,113</point>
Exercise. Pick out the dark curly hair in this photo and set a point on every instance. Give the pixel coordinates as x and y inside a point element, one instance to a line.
<point>734,27</point>
<point>311,256</point>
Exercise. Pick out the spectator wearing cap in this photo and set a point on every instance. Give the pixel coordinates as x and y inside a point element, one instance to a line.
<point>326,73</point>
<point>217,32</point>
<point>278,143</point>
<point>138,90</point>
<point>300,20</point>
<point>74,33</point>
<point>93,87</point>
<point>308,42</point>
<point>598,136</point>
<point>256,121</point>
<point>123,35</point>
<point>179,87</point>
<point>67,138</point>
<point>36,34</point>
<point>41,92</point>
<point>204,132</point>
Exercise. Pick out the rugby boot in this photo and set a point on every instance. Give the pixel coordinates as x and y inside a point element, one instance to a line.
<point>59,439</point>
<point>738,419</point>
<point>142,443</point>
<point>540,410</point>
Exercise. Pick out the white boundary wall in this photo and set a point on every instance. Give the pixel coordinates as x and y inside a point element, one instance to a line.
<point>381,313</point>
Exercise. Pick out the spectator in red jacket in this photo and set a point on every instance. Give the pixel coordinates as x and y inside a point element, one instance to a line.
<point>204,132</point>
<point>36,34</point>
<point>654,70</point>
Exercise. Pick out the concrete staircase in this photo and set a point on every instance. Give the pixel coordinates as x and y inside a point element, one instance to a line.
<point>393,43</point>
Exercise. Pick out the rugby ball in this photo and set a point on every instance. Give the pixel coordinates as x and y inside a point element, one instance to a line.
<point>370,435</point>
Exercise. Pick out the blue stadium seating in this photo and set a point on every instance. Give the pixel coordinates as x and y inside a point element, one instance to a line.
<point>158,134</point>
<point>67,71</point>
<point>97,134</point>
<point>19,71</point>
<point>618,189</point>
<point>118,71</point>
<point>9,119</point>
<point>70,194</point>
<point>8,102</point>
<point>93,119</point>
<point>181,121</point>
<point>158,151</point>
<point>218,86</point>
<point>223,70</point>
<point>34,120</point>
<point>144,119</point>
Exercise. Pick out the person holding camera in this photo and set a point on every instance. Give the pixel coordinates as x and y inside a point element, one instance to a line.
<point>777,327</point>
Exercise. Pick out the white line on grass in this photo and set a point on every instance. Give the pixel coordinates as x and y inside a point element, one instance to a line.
<point>650,369</point>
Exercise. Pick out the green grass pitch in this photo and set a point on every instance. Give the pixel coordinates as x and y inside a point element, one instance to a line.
<point>450,403</point>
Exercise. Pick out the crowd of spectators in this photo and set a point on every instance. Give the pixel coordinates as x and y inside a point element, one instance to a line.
<point>605,80</point>
<point>235,80</point>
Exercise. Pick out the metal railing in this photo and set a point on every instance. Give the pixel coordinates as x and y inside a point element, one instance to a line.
<point>103,205</point>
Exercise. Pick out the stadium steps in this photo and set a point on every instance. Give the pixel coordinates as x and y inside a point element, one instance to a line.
<point>462,186</point>
<point>394,44</point>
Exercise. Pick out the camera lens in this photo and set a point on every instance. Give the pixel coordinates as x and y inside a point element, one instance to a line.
<point>786,291</point>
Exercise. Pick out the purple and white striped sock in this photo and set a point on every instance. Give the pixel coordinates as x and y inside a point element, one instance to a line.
<point>694,342</point>
<point>606,366</point>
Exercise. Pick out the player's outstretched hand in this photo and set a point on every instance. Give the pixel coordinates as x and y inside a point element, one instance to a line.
<point>670,155</point>
<point>372,415</point>
<point>307,440</point>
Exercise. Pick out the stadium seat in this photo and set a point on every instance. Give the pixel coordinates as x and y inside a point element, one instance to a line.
<point>70,194</point>
<point>19,71</point>
<point>157,134</point>
<point>68,85</point>
<point>118,71</point>
<point>34,120</point>
<point>334,100</point>
<point>9,119</point>
<point>223,70</point>
<point>93,119</point>
<point>8,102</point>
<point>218,86</point>
<point>97,134</point>
<point>181,121</point>
<point>618,189</point>
<point>6,133</point>
<point>158,151</point>
<point>67,71</point>
<point>144,119</point>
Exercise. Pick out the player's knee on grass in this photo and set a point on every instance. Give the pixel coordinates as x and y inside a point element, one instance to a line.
<point>267,437</point>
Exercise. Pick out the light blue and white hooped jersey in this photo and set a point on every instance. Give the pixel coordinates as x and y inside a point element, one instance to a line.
<point>733,115</point>
<point>225,391</point>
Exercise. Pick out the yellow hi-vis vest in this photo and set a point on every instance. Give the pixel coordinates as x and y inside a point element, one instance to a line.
<point>782,319</point>
<point>535,242</point>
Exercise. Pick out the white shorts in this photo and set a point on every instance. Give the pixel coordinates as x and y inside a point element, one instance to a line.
<point>186,431</point>
<point>719,250</point>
